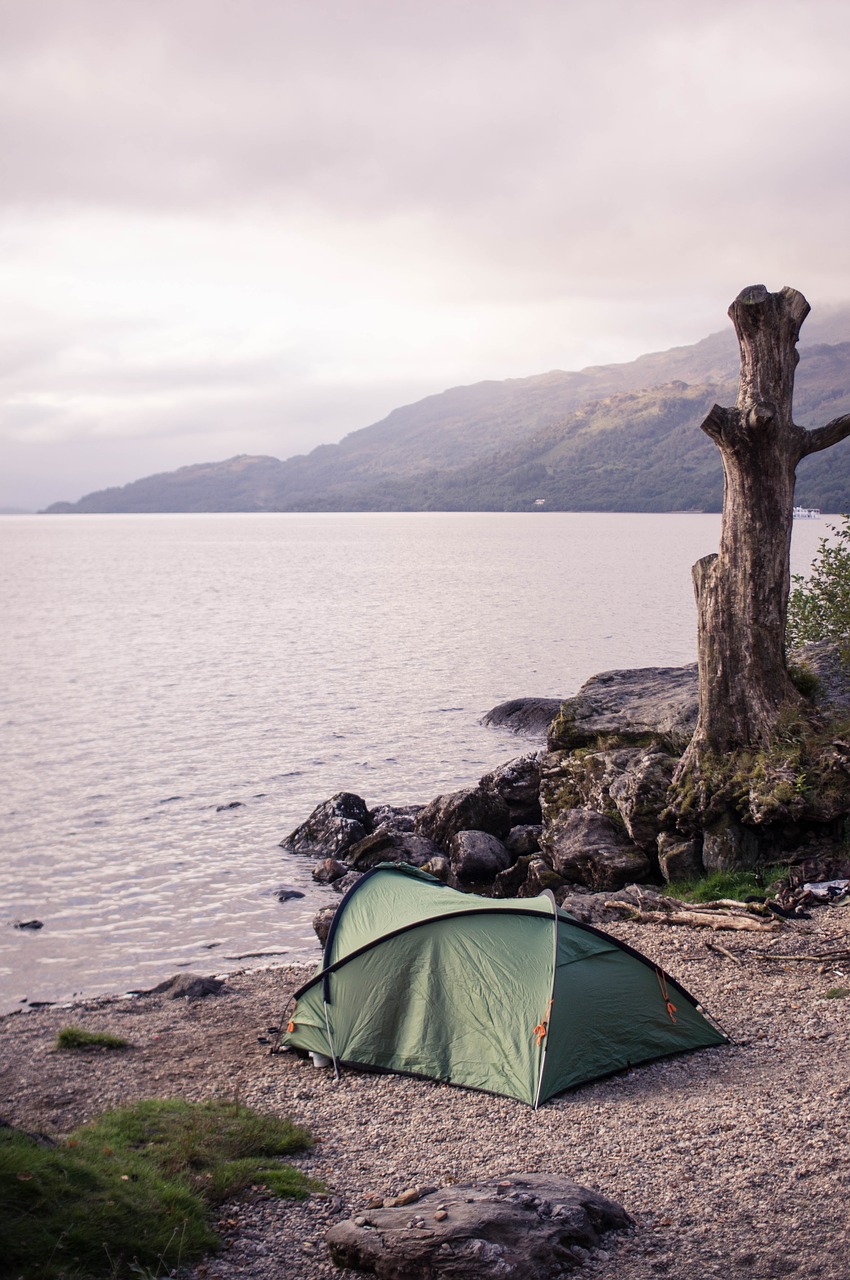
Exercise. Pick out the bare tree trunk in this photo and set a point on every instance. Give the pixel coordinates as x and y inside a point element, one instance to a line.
<point>742,593</point>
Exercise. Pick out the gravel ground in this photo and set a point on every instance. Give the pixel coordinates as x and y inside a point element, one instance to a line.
<point>733,1161</point>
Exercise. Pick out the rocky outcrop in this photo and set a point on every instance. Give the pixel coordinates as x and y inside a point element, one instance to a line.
<point>647,705</point>
<point>524,715</point>
<point>472,809</point>
<point>587,848</point>
<point>332,828</point>
<point>528,1226</point>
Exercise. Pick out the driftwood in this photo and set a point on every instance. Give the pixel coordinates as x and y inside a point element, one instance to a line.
<point>697,918</point>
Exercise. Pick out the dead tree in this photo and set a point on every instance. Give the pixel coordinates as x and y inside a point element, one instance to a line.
<point>742,593</point>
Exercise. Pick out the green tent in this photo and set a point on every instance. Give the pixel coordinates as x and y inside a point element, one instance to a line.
<point>512,996</point>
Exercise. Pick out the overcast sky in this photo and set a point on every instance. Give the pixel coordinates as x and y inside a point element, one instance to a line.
<point>252,226</point>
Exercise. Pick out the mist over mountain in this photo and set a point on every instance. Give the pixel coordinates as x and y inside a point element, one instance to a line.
<point>621,437</point>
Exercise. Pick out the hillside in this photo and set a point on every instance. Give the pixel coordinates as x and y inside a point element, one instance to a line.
<point>613,437</point>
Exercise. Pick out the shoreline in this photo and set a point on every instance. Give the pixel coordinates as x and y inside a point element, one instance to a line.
<point>732,1160</point>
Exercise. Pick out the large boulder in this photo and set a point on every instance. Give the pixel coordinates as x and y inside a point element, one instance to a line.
<point>472,809</point>
<point>332,828</point>
<point>646,705</point>
<point>390,845</point>
<point>477,856</point>
<point>518,784</point>
<point>529,1226</point>
<point>587,848</point>
<point>527,716</point>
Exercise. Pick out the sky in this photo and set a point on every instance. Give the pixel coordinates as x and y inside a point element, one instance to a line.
<point>253,226</point>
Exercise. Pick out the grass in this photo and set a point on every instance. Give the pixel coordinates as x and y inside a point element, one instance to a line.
<point>837,993</point>
<point>79,1038</point>
<point>132,1192</point>
<point>725,884</point>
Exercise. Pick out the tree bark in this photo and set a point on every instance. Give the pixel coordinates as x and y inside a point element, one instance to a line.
<point>742,592</point>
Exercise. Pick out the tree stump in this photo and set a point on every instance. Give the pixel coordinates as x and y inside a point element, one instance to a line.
<point>742,592</point>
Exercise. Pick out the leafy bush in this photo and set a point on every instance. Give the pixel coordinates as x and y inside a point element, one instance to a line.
<point>132,1190</point>
<point>819,606</point>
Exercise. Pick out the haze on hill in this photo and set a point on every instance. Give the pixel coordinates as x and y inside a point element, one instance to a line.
<point>620,437</point>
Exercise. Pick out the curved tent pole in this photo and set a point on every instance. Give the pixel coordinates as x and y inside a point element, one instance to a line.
<point>547,893</point>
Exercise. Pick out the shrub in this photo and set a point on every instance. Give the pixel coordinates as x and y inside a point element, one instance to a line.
<point>819,606</point>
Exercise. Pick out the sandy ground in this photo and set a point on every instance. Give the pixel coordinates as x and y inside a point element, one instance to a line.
<point>733,1162</point>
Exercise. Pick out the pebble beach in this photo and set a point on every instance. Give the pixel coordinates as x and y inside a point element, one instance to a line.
<point>732,1161</point>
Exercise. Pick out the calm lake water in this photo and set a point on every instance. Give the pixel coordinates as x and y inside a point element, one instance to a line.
<point>158,669</point>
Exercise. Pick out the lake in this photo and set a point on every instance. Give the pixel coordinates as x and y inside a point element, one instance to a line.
<point>180,691</point>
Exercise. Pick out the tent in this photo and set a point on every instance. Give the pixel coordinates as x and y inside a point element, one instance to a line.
<point>513,996</point>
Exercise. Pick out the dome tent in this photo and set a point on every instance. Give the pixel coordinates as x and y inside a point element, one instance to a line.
<point>512,996</point>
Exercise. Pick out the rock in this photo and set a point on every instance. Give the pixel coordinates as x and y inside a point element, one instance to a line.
<point>322,922</point>
<point>584,905</point>
<point>823,659</point>
<point>650,704</point>
<point>524,839</point>
<point>508,883</point>
<point>518,784</point>
<point>727,845</point>
<point>540,877</point>
<point>522,1227</point>
<point>594,908</point>
<point>389,844</point>
<point>439,867</point>
<point>285,893</point>
<point>476,855</point>
<point>679,859</point>
<point>524,715</point>
<point>587,848</point>
<point>29,924</point>
<point>331,828</point>
<point>188,986</point>
<point>328,870</point>
<point>346,882</point>
<point>640,794</point>
<point>471,809</point>
<point>396,817</point>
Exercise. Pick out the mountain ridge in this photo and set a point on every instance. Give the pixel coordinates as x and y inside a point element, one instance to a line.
<point>608,437</point>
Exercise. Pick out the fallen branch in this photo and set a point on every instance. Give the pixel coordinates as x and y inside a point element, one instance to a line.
<point>822,959</point>
<point>715,946</point>
<point>696,918</point>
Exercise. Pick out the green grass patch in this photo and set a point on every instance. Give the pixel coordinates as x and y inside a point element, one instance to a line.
<point>79,1038</point>
<point>725,884</point>
<point>132,1191</point>
<point>837,993</point>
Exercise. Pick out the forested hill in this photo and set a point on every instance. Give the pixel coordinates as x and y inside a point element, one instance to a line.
<point>611,438</point>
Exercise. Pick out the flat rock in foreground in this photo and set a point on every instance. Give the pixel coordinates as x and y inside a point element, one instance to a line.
<point>520,1227</point>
